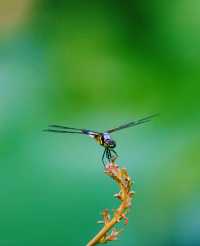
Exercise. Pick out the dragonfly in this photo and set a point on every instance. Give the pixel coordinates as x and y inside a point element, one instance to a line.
<point>102,138</point>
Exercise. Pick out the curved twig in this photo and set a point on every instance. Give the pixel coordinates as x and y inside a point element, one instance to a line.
<point>121,177</point>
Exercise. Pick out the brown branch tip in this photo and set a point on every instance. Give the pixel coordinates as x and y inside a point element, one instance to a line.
<point>125,195</point>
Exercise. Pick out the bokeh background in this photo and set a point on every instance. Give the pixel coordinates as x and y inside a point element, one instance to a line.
<point>97,64</point>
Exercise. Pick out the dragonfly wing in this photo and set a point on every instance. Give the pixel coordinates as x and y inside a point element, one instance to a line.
<point>61,131</point>
<point>133,123</point>
<point>65,129</point>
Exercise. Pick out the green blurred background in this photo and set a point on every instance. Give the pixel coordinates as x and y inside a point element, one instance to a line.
<point>97,64</point>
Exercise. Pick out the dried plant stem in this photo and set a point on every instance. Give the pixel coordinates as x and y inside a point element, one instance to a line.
<point>120,175</point>
<point>105,229</point>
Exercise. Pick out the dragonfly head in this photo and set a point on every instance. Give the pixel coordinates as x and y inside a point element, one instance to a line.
<point>110,143</point>
<point>107,141</point>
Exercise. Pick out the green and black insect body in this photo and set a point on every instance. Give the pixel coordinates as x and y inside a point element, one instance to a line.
<point>102,138</point>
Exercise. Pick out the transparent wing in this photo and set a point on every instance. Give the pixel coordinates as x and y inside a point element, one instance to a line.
<point>65,129</point>
<point>61,131</point>
<point>133,123</point>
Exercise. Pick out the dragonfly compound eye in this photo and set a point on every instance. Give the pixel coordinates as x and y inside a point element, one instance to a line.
<point>111,143</point>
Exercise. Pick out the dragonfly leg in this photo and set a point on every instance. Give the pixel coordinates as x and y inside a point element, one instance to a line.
<point>104,152</point>
<point>109,156</point>
<point>115,155</point>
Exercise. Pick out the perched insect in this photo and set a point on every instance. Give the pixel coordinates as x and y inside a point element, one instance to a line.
<point>102,138</point>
